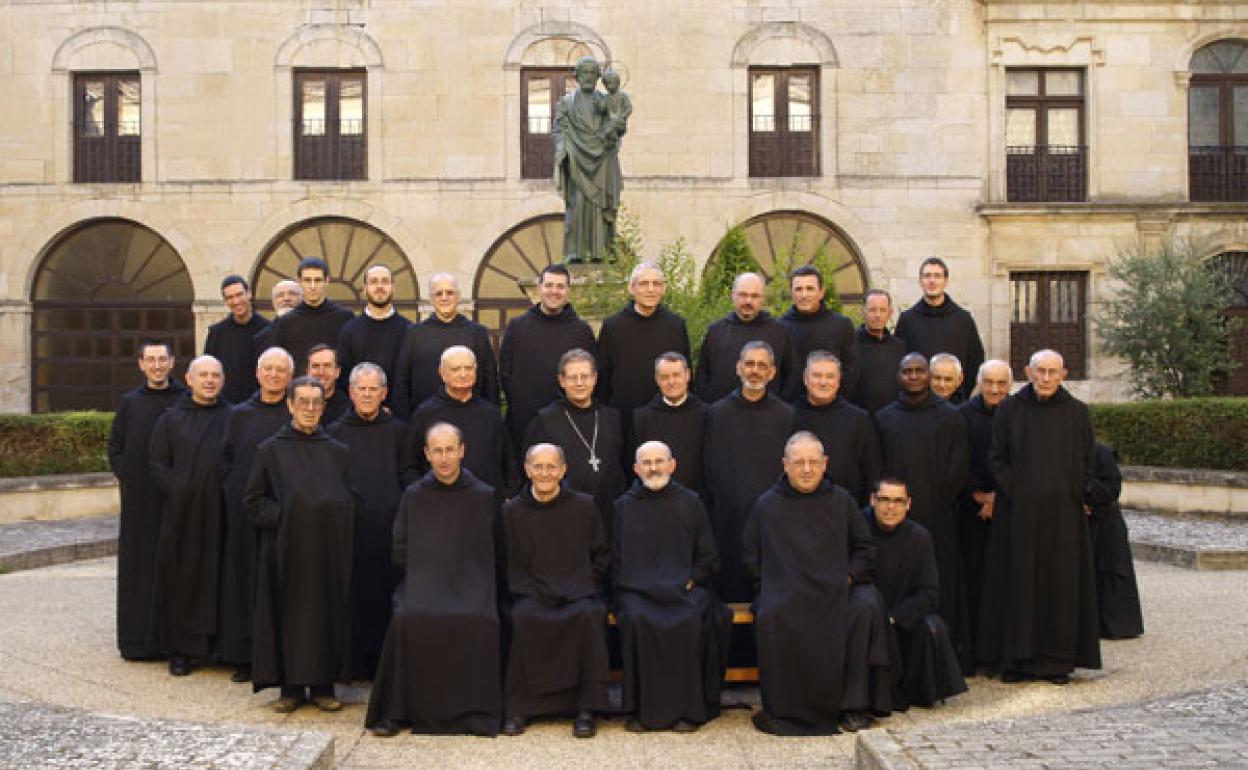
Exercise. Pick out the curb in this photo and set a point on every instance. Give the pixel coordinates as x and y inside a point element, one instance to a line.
<point>58,554</point>
<point>876,750</point>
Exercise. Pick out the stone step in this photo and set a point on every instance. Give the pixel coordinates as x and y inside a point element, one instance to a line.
<point>32,544</point>
<point>1191,542</point>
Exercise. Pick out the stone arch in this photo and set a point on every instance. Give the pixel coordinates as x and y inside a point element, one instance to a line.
<point>329,40</point>
<point>501,286</point>
<point>1183,56</point>
<point>67,56</point>
<point>760,34</point>
<point>550,29</point>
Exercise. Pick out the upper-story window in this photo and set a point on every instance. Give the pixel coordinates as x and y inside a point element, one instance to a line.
<point>330,137</point>
<point>107,127</point>
<point>540,89</point>
<point>1046,150</point>
<point>1217,123</point>
<point>784,121</point>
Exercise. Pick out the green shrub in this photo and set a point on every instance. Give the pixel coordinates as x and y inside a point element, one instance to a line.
<point>1207,433</point>
<point>64,442</point>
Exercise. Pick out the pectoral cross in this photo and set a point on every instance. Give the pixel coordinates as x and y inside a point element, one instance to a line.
<point>594,462</point>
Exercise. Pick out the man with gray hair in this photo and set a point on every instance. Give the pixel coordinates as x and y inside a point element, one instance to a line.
<point>946,375</point>
<point>377,333</point>
<point>748,322</point>
<point>847,432</point>
<point>676,417</point>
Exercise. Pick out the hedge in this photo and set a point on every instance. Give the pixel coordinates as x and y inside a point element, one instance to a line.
<point>65,442</point>
<point>1209,433</point>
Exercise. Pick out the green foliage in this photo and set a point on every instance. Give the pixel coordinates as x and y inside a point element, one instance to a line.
<point>64,442</point>
<point>601,289</point>
<point>1167,321</point>
<point>1210,433</point>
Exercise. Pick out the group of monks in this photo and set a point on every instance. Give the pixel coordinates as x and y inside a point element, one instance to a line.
<point>888,527</point>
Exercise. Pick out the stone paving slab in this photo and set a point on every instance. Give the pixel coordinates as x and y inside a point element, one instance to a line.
<point>1205,729</point>
<point>31,544</point>
<point>57,738</point>
<point>1186,542</point>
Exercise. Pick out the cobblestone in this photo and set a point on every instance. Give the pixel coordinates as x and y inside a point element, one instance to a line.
<point>31,544</point>
<point>1188,542</point>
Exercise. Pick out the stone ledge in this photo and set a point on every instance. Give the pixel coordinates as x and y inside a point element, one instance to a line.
<point>33,544</point>
<point>1237,479</point>
<point>1191,543</point>
<point>57,482</point>
<point>877,750</point>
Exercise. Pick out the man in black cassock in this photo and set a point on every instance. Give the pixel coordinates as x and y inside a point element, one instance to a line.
<point>745,435</point>
<point>300,497</point>
<point>588,432</point>
<point>847,432</point>
<point>232,340</point>
<point>879,354</point>
<point>1039,614</point>
<point>315,320</point>
<point>813,326</point>
<point>441,669</point>
<point>377,333</point>
<point>923,442</point>
<point>925,666</point>
<point>1117,596</point>
<point>416,380</point>
<point>809,550</point>
<point>748,322</point>
<point>946,377</point>
<point>487,451</point>
<point>673,629</point>
<point>557,563</point>
<point>128,442</point>
<point>376,439</point>
<point>249,425</point>
<point>937,324</point>
<point>185,456</point>
<point>677,417</point>
<point>528,360</point>
<point>322,365</point>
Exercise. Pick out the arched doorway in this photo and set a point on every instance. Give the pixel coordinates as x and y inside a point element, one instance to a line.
<point>101,288</point>
<point>508,273</point>
<point>1235,265</point>
<point>349,247</point>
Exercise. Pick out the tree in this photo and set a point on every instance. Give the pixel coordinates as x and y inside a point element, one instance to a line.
<point>1167,321</point>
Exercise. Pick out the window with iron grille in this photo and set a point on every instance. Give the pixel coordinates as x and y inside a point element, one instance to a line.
<point>1217,123</point>
<point>1046,154</point>
<point>1049,310</point>
<point>784,121</point>
<point>107,127</point>
<point>540,90</point>
<point>330,137</point>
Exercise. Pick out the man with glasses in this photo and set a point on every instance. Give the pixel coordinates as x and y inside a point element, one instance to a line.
<point>748,322</point>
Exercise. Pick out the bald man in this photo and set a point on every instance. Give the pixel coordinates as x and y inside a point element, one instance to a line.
<point>748,322</point>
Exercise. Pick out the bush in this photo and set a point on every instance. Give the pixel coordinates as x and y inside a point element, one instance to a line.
<point>64,442</point>
<point>1209,433</point>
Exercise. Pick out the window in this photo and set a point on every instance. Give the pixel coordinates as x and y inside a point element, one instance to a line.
<point>540,90</point>
<point>784,121</point>
<point>1046,153</point>
<point>1049,310</point>
<point>1217,123</point>
<point>330,140</point>
<point>107,127</point>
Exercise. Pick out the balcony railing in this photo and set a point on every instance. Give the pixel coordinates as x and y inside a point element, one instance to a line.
<point>326,154</point>
<point>1046,173</point>
<point>1217,173</point>
<point>108,158</point>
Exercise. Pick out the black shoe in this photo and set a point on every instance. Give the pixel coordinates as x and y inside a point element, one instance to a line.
<point>853,721</point>
<point>179,666</point>
<point>385,729</point>
<point>1010,677</point>
<point>1060,679</point>
<point>513,726</point>
<point>584,725</point>
<point>635,726</point>
<point>685,726</point>
<point>241,674</point>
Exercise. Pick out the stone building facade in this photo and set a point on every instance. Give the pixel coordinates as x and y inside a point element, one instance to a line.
<point>152,146</point>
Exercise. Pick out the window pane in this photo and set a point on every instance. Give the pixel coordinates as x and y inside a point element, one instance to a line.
<point>1062,83</point>
<point>93,108</point>
<point>1064,301</point>
<point>539,105</point>
<point>1239,111</point>
<point>800,107</point>
<point>763,109</point>
<point>128,107</point>
<point>351,107</point>
<point>1202,116</point>
<point>1020,128</point>
<point>1022,83</point>
<point>1024,305</point>
<point>313,101</point>
<point>1063,127</point>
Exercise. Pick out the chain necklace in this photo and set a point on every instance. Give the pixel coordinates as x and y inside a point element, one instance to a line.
<point>592,444</point>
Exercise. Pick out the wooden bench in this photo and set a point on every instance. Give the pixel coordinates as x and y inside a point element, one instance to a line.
<point>741,616</point>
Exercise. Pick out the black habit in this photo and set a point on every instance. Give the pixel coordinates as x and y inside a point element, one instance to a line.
<point>827,330</point>
<point>848,436</point>
<point>721,349</point>
<point>805,550</point>
<point>1117,596</point>
<point>304,326</point>
<point>129,440</point>
<point>576,430</point>
<point>487,448</point>
<point>336,406</point>
<point>234,345</point>
<point>417,379</point>
<point>528,363</point>
<point>557,563</point>
<point>185,463</point>
<point>440,668</point>
<point>1039,614</point>
<point>879,358</point>
<point>250,424</point>
<point>682,428</point>
<point>628,345</point>
<point>974,532</point>
<point>741,459</point>
<point>300,497</point>
<point>375,462</point>
<point>372,340</point>
<point>943,328</point>
<point>674,640</point>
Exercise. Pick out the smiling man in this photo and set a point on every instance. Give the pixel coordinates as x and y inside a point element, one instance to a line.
<point>813,326</point>
<point>748,322</point>
<point>232,340</point>
<point>676,417</point>
<point>847,432</point>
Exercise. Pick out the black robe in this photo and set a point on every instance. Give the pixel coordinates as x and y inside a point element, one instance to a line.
<point>557,564</point>
<point>250,424</point>
<point>336,406</point>
<point>528,362</point>
<point>628,345</point>
<point>417,379</point>
<point>721,349</point>
<point>925,666</point>
<point>848,436</point>
<point>974,532</point>
<point>674,641</point>
<point>824,330</point>
<point>878,362</point>
<point>741,460</point>
<point>304,326</point>
<point>300,497</point>
<point>1117,596</point>
<point>139,528</point>
<point>682,428</point>
<point>945,328</point>
<point>925,446</point>
<point>1039,613</point>
<point>234,345</point>
<point>375,462</point>
<point>367,339</point>
<point>440,668</point>
<point>554,425</point>
<point>805,549</point>
<point>185,463</point>
<point>487,448</point>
